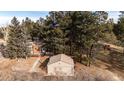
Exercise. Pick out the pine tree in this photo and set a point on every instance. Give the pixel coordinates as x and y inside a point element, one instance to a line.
<point>1,33</point>
<point>119,29</point>
<point>74,32</point>
<point>17,43</point>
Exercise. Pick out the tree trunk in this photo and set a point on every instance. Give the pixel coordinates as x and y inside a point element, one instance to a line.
<point>70,48</point>
<point>80,58</point>
<point>90,52</point>
<point>88,57</point>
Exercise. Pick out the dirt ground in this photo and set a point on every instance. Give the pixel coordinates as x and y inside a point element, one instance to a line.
<point>13,64</point>
<point>18,65</point>
<point>99,70</point>
<point>112,61</point>
<point>107,66</point>
<point>95,73</point>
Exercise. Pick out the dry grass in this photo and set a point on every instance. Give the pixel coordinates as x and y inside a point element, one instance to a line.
<point>110,60</point>
<point>81,73</point>
<point>8,68</point>
<point>94,73</point>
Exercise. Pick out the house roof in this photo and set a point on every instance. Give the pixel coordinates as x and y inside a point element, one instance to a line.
<point>61,57</point>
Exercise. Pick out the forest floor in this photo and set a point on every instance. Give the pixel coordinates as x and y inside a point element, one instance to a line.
<point>107,66</point>
<point>95,73</point>
<point>110,67</point>
<point>112,61</point>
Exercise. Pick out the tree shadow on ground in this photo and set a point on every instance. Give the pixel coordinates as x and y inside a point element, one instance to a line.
<point>43,65</point>
<point>114,61</point>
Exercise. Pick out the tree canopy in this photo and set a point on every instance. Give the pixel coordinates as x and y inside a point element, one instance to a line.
<point>71,32</point>
<point>17,45</point>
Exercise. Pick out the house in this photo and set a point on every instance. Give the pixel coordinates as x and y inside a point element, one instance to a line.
<point>60,65</point>
<point>34,48</point>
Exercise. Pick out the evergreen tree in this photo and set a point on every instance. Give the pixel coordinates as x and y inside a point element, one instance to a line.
<point>17,44</point>
<point>119,29</point>
<point>1,34</point>
<point>76,32</point>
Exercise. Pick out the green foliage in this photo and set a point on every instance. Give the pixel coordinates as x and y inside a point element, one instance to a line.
<point>71,32</point>
<point>76,32</point>
<point>1,34</point>
<point>119,29</point>
<point>17,45</point>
